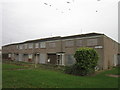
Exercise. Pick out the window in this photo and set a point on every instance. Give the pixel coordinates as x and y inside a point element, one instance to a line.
<point>52,45</point>
<point>69,43</point>
<point>115,45</point>
<point>42,45</point>
<point>36,45</point>
<point>9,55</point>
<point>20,46</point>
<point>17,46</point>
<point>70,59</point>
<point>25,46</point>
<point>79,43</point>
<point>91,42</point>
<point>30,56</point>
<point>30,45</point>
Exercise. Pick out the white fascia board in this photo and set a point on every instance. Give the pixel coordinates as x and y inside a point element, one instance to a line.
<point>82,38</point>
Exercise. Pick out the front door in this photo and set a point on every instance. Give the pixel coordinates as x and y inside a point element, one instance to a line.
<point>42,58</point>
<point>52,58</point>
<point>37,58</point>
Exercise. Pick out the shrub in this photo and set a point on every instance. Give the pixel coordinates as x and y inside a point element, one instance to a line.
<point>86,61</point>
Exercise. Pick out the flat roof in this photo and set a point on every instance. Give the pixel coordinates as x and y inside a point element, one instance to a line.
<point>58,38</point>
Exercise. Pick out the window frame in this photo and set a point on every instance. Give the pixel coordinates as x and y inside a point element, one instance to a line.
<point>67,43</point>
<point>30,45</point>
<point>92,42</point>
<point>37,45</point>
<point>42,44</point>
<point>79,42</point>
<point>52,44</point>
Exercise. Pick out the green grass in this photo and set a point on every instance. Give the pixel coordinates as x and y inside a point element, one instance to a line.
<point>10,66</point>
<point>47,78</point>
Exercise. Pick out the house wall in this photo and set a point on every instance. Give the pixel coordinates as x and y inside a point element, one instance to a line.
<point>110,53</point>
<point>69,51</point>
<point>106,48</point>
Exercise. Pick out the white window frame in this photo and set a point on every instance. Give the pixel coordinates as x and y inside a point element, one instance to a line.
<point>25,46</point>
<point>36,45</point>
<point>30,56</point>
<point>30,45</point>
<point>17,46</point>
<point>21,46</point>
<point>42,45</point>
<point>9,55</point>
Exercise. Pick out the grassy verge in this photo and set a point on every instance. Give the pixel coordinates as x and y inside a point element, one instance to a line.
<point>42,77</point>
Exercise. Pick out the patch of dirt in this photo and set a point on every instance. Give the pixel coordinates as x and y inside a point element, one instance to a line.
<point>113,75</point>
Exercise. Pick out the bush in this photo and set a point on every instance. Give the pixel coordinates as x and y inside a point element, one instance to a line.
<point>86,61</point>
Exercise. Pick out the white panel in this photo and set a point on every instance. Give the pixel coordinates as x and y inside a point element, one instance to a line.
<point>42,58</point>
<point>98,46</point>
<point>63,59</point>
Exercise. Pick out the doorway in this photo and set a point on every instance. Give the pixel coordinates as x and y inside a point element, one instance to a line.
<point>37,56</point>
<point>52,58</point>
<point>60,58</point>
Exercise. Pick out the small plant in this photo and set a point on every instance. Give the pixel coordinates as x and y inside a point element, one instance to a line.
<point>86,61</point>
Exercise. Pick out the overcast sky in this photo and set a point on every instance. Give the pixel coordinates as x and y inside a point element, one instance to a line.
<point>22,20</point>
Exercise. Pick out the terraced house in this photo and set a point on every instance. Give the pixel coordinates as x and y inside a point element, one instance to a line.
<point>60,50</point>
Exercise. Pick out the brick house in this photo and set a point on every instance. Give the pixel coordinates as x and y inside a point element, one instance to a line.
<point>60,50</point>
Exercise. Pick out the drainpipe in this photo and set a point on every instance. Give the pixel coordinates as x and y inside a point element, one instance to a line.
<point>34,55</point>
<point>35,60</point>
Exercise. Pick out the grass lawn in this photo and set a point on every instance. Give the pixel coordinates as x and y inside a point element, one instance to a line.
<point>49,78</point>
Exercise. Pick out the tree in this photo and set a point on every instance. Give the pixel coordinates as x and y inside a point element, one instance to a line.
<point>86,61</point>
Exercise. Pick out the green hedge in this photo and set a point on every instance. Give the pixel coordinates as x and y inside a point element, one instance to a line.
<point>86,61</point>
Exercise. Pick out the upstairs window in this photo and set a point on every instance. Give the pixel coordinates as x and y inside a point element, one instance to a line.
<point>30,45</point>
<point>79,43</point>
<point>36,45</point>
<point>42,45</point>
<point>9,55</point>
<point>17,47</point>
<point>20,46</point>
<point>69,43</point>
<point>30,56</point>
<point>52,45</point>
<point>92,42</point>
<point>25,46</point>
